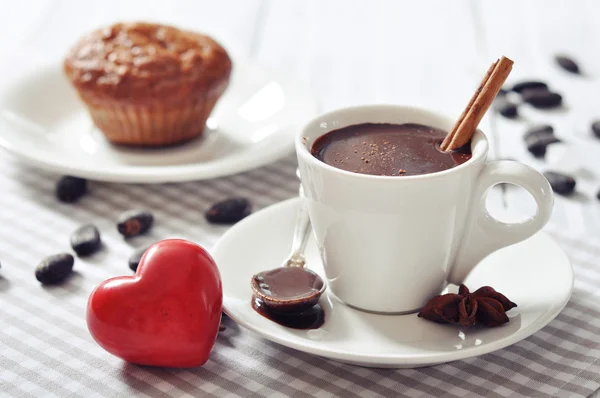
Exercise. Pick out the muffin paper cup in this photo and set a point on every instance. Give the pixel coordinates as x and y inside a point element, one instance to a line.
<point>152,125</point>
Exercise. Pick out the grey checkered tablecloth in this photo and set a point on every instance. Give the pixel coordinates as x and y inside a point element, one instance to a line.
<point>46,350</point>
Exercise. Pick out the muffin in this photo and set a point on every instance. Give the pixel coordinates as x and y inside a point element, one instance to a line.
<point>146,84</point>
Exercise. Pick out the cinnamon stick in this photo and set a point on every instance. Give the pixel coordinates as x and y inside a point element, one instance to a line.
<point>462,116</point>
<point>467,123</point>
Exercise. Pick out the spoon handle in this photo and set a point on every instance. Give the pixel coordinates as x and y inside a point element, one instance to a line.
<point>301,234</point>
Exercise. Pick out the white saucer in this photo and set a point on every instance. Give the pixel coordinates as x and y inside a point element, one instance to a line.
<point>536,274</point>
<point>43,121</point>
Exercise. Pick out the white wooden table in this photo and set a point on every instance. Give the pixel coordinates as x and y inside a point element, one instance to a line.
<point>425,53</point>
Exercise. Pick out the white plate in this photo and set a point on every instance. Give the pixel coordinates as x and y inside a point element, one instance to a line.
<point>43,121</point>
<point>536,274</point>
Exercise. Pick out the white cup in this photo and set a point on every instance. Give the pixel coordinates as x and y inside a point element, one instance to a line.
<point>389,244</point>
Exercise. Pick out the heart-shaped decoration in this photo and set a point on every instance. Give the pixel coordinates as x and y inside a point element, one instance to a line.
<point>168,314</point>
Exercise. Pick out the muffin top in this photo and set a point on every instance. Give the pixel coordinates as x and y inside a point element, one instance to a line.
<point>144,61</point>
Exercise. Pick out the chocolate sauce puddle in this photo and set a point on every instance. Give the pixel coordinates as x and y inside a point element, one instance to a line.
<point>311,318</point>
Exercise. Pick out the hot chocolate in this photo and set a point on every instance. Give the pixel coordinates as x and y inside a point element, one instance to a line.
<point>388,149</point>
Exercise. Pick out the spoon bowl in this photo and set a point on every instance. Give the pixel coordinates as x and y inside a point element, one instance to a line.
<point>288,289</point>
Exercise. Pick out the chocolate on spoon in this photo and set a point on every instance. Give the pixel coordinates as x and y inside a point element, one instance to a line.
<point>290,288</point>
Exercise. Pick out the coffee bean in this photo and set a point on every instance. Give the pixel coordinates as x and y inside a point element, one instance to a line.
<point>561,184</point>
<point>228,211</point>
<point>596,128</point>
<point>134,222</point>
<point>537,139</point>
<point>529,84</point>
<point>539,129</point>
<point>136,256</point>
<point>567,64</point>
<point>54,269</point>
<point>506,108</point>
<point>541,98</point>
<point>538,145</point>
<point>85,240</point>
<point>70,189</point>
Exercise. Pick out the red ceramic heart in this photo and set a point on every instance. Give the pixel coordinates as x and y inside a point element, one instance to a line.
<point>168,314</point>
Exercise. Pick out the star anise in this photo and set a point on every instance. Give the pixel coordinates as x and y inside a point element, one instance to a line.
<point>485,306</point>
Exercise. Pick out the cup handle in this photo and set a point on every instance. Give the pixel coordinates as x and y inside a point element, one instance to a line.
<point>483,233</point>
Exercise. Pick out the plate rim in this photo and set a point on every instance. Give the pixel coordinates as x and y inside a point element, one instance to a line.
<point>166,173</point>
<point>409,360</point>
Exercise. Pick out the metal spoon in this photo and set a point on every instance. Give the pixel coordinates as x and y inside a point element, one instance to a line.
<point>291,287</point>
